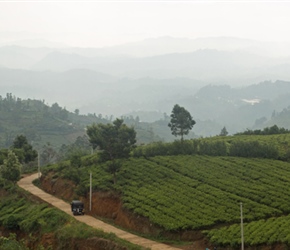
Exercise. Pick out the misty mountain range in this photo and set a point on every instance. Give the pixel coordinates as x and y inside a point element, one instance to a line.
<point>222,81</point>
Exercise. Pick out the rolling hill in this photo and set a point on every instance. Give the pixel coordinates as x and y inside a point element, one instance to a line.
<point>186,196</point>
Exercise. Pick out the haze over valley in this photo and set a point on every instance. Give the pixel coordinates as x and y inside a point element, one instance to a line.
<point>221,69</point>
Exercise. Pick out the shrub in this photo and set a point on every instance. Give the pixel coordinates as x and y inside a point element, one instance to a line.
<point>12,222</point>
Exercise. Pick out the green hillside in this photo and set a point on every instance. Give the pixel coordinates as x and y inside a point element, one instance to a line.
<point>200,192</point>
<point>42,123</point>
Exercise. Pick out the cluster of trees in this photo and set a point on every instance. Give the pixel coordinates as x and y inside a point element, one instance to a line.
<point>11,103</point>
<point>117,140</point>
<point>274,130</point>
<point>207,147</point>
<point>114,141</point>
<point>11,167</point>
<point>11,160</point>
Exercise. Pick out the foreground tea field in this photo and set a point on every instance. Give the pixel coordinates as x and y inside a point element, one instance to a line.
<point>193,192</point>
<point>204,193</point>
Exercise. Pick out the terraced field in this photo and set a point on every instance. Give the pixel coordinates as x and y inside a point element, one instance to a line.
<point>204,193</point>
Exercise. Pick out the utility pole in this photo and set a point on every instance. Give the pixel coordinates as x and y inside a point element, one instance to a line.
<point>38,164</point>
<point>90,191</point>
<point>242,227</point>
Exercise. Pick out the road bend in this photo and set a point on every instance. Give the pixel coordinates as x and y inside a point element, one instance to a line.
<point>26,183</point>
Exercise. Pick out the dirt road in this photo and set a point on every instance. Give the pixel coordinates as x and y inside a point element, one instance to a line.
<point>26,183</point>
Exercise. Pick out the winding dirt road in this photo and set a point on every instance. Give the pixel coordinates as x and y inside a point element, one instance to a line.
<point>26,183</point>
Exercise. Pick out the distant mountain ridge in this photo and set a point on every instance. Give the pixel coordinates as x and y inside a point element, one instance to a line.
<point>151,47</point>
<point>205,65</point>
<point>216,79</point>
<point>213,60</point>
<point>162,45</point>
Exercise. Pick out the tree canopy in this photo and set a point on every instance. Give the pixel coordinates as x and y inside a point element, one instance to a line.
<point>114,140</point>
<point>274,130</point>
<point>224,132</point>
<point>11,169</point>
<point>181,121</point>
<point>23,149</point>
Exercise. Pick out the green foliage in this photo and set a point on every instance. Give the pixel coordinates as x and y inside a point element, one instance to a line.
<point>3,155</point>
<point>224,132</point>
<point>207,190</point>
<point>11,243</point>
<point>262,146</point>
<point>115,140</point>
<point>40,123</point>
<point>113,167</point>
<point>270,231</point>
<point>253,149</point>
<point>186,147</point>
<point>75,230</point>
<point>76,158</point>
<point>76,150</point>
<point>82,189</point>
<point>90,160</point>
<point>17,213</point>
<point>27,216</point>
<point>23,149</point>
<point>72,173</point>
<point>81,231</point>
<point>181,121</point>
<point>215,148</point>
<point>11,169</point>
<point>11,222</point>
<point>44,218</point>
<point>274,130</point>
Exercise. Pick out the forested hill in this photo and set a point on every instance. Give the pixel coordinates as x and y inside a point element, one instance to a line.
<point>55,125</point>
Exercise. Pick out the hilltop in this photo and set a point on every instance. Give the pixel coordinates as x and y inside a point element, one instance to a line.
<point>42,123</point>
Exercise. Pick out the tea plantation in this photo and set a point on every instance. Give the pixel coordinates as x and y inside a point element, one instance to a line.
<point>199,185</point>
<point>194,192</point>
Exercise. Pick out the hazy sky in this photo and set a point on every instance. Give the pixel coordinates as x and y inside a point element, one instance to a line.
<point>105,23</point>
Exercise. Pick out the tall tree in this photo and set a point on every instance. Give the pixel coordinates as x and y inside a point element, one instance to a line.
<point>181,121</point>
<point>11,168</point>
<point>114,140</point>
<point>224,132</point>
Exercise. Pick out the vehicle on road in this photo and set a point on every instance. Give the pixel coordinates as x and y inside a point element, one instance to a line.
<point>77,207</point>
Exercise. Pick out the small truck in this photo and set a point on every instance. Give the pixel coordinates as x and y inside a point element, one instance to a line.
<point>77,207</point>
